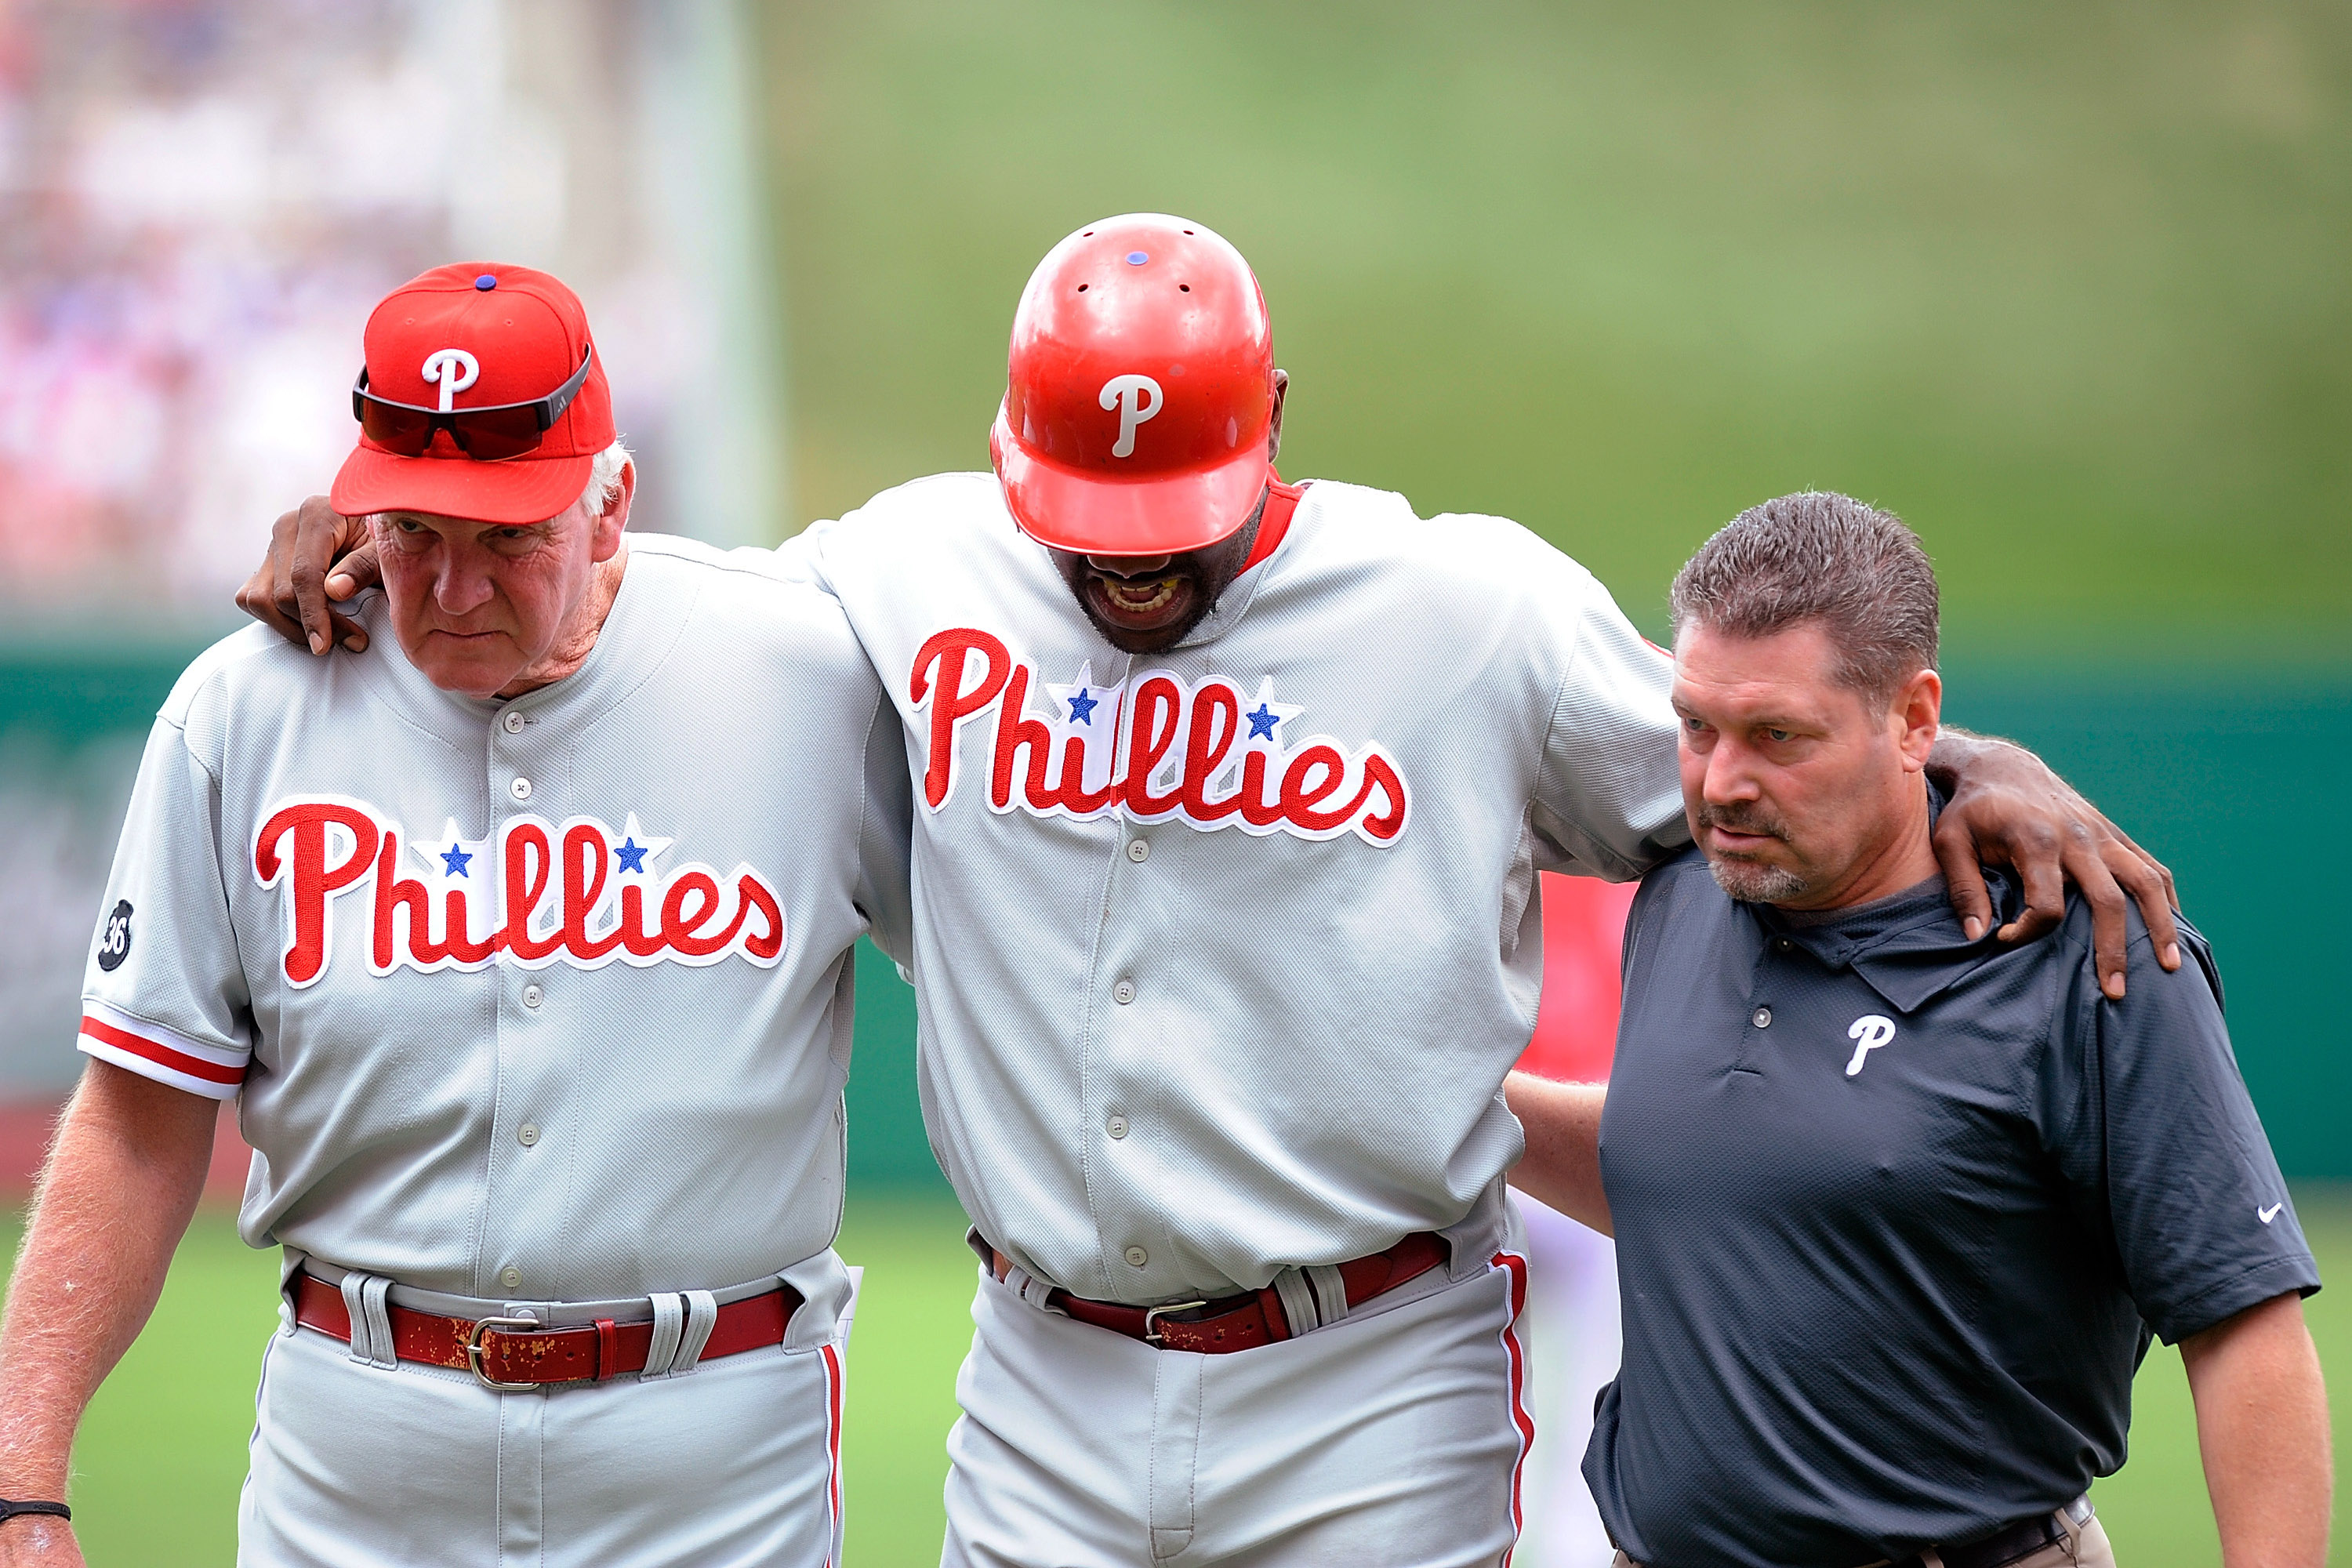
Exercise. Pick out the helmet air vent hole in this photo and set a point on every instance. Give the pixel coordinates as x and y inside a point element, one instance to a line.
<point>1082,287</point>
<point>1187,231</point>
<point>1183,287</point>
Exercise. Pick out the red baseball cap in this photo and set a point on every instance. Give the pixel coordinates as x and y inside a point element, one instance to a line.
<point>479,334</point>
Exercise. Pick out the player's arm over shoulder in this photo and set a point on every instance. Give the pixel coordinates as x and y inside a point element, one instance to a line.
<point>1609,800</point>
<point>911,522</point>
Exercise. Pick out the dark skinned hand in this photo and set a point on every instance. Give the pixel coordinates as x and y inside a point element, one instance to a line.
<point>2006,808</point>
<point>318,558</point>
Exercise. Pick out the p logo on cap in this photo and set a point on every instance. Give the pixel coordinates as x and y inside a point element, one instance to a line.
<point>481,335</point>
<point>454,368</point>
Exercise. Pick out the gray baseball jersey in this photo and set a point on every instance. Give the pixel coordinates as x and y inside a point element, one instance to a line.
<point>1223,953</point>
<point>543,999</point>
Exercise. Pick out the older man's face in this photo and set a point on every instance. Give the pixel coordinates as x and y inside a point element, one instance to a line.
<point>1795,784</point>
<point>480,607</point>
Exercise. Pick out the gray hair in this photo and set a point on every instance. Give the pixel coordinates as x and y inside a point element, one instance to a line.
<point>604,485</point>
<point>1821,557</point>
<point>604,479</point>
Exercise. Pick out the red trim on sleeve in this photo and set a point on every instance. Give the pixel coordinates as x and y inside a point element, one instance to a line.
<point>161,1055</point>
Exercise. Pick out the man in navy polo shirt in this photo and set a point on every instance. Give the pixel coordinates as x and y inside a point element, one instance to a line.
<point>1897,1211</point>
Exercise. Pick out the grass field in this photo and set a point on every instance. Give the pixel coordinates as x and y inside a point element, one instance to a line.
<point>163,1452</point>
<point>2062,284</point>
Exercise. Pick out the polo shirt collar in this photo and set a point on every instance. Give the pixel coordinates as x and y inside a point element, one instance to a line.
<point>1909,948</point>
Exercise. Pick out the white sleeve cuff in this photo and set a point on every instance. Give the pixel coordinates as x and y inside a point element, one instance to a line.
<point>164,1055</point>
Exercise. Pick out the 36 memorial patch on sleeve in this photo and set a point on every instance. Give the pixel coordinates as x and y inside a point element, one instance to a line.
<point>115,945</point>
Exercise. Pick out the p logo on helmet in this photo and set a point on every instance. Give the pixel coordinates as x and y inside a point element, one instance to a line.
<point>1135,320</point>
<point>1137,398</point>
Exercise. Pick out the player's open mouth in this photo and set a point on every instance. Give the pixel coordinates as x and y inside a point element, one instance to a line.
<point>1140,604</point>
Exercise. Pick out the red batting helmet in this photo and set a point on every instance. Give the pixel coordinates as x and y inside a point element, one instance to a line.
<point>1139,393</point>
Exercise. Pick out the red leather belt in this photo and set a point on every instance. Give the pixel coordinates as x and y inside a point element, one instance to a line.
<point>1243,1322</point>
<point>512,1353</point>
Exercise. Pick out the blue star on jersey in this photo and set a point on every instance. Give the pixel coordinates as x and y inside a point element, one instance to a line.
<point>450,858</point>
<point>1080,698</point>
<point>635,848</point>
<point>1267,717</point>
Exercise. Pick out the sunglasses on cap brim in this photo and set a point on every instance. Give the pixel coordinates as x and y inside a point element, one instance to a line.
<point>485,434</point>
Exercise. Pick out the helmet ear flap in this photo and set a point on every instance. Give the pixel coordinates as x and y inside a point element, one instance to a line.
<point>1141,392</point>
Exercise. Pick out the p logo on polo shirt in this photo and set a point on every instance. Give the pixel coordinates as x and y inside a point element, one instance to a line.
<point>1869,1032</point>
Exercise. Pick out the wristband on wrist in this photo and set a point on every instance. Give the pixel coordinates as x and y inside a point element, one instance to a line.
<point>9,1511</point>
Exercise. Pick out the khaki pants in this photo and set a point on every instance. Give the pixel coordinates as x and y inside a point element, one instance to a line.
<point>2086,1546</point>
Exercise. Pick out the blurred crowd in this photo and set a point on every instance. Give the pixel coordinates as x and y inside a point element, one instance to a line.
<point>199,199</point>
<point>199,202</point>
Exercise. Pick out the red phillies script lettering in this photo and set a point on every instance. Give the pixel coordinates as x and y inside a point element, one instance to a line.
<point>1154,748</point>
<point>537,893</point>
<point>314,826</point>
<point>947,653</point>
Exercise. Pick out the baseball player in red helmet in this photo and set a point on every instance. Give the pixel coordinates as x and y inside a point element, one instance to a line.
<point>536,1021</point>
<point>1230,797</point>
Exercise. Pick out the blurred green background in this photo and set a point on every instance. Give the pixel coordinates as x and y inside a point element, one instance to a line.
<point>2065,286</point>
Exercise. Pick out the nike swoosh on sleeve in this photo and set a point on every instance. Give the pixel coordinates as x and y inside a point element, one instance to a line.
<point>2270,1214</point>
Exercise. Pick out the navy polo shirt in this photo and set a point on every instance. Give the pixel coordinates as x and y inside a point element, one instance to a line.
<point>1895,1214</point>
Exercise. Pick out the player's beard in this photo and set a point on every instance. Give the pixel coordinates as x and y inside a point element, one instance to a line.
<point>1749,881</point>
<point>1193,582</point>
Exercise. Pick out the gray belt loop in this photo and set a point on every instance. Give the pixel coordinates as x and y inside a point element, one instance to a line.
<point>669,1318</point>
<point>1330,1293</point>
<point>701,1317</point>
<point>1032,1289</point>
<point>370,1320</point>
<point>1297,1302</point>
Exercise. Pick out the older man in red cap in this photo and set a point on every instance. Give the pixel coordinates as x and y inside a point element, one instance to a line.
<point>1231,798</point>
<point>537,1026</point>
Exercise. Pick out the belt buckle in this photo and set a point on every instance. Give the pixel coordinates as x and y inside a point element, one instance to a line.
<point>1151,1314</point>
<point>474,1350</point>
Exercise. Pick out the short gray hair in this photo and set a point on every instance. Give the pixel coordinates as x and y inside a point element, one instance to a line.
<point>604,479</point>
<point>1821,557</point>
<point>604,485</point>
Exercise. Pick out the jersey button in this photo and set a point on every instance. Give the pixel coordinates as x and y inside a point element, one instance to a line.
<point>520,789</point>
<point>532,996</point>
<point>1137,1257</point>
<point>513,722</point>
<point>510,1277</point>
<point>1117,1127</point>
<point>527,1134</point>
<point>1123,992</point>
<point>1763,1018</point>
<point>1139,850</point>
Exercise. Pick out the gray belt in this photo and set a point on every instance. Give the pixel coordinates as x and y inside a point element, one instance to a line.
<point>554,1314</point>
